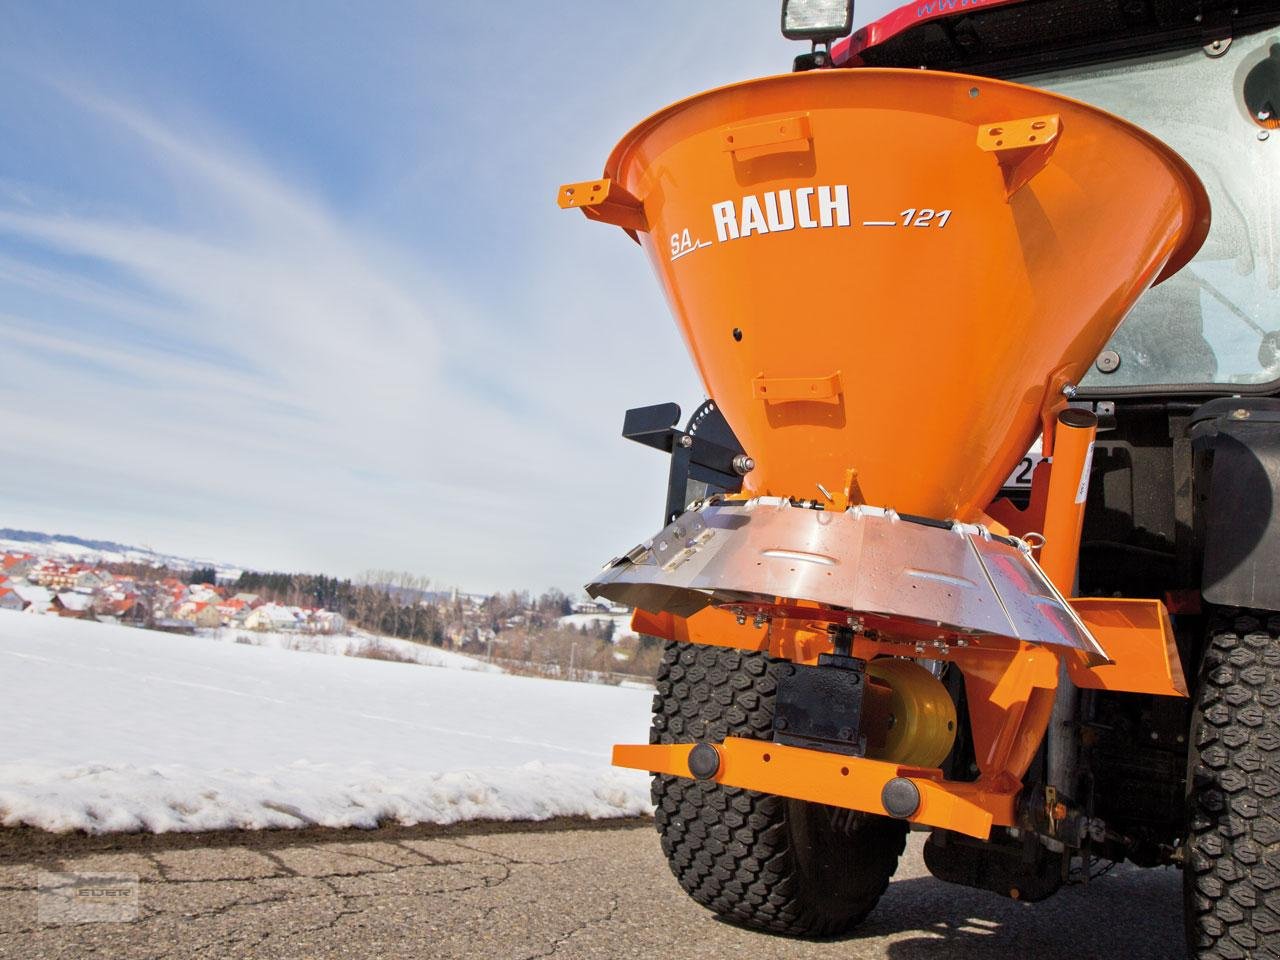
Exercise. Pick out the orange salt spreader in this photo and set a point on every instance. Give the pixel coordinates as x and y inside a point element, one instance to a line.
<point>890,282</point>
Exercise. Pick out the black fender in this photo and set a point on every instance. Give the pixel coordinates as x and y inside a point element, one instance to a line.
<point>1236,444</point>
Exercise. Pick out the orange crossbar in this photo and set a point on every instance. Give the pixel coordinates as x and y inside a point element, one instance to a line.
<point>854,783</point>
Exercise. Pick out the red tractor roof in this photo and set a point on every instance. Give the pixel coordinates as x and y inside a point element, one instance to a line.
<point>906,16</point>
<point>1010,37</point>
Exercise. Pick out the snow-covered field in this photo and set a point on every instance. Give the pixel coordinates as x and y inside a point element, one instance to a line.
<point>356,644</point>
<point>108,728</point>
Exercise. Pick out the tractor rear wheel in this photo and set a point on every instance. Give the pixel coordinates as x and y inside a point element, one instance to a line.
<point>758,860</point>
<point>1231,877</point>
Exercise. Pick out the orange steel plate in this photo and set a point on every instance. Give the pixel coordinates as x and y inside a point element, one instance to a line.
<point>1139,638</point>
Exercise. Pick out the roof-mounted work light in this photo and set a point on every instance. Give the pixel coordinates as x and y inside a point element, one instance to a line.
<point>819,21</point>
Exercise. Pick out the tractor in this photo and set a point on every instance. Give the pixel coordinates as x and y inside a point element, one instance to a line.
<point>976,533</point>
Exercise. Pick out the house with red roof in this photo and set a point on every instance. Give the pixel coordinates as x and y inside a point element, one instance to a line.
<point>113,608</point>
<point>78,606</point>
<point>208,592</point>
<point>200,612</point>
<point>54,574</point>
<point>9,599</point>
<point>233,610</point>
<point>17,564</point>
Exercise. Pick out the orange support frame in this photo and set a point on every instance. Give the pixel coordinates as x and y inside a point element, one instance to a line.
<point>1011,689</point>
<point>1011,686</point>
<point>854,783</point>
<point>1068,485</point>
<point>1010,697</point>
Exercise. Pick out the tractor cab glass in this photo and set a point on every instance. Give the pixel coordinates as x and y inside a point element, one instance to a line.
<point>1218,320</point>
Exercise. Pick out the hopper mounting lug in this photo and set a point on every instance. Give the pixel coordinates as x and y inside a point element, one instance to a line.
<point>750,141</point>
<point>1022,147</point>
<point>606,201</point>
<point>827,389</point>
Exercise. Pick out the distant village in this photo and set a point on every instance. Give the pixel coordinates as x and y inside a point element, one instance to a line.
<point>50,586</point>
<point>551,634</point>
<point>513,627</point>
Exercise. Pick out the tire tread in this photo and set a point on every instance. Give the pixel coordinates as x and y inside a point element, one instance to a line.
<point>1231,876</point>
<point>739,852</point>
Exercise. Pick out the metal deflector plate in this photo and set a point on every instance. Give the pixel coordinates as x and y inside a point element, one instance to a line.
<point>864,560</point>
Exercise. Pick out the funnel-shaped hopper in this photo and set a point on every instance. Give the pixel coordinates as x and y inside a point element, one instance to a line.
<point>895,273</point>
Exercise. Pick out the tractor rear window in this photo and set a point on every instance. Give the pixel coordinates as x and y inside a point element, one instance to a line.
<point>1218,320</point>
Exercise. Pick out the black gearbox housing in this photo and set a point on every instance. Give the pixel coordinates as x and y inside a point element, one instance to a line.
<point>820,707</point>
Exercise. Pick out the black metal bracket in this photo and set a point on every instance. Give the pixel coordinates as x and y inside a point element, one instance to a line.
<point>820,707</point>
<point>703,453</point>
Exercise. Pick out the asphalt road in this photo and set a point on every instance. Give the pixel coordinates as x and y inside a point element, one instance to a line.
<point>522,891</point>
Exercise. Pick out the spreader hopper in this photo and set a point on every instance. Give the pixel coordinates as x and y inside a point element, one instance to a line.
<point>895,273</point>
<point>890,282</point>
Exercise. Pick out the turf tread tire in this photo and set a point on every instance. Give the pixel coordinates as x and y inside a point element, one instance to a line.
<point>1231,877</point>
<point>757,860</point>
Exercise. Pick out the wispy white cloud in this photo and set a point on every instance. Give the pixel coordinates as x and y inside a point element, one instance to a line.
<point>252,369</point>
<point>339,360</point>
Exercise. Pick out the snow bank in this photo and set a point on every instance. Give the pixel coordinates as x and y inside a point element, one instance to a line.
<point>123,798</point>
<point>108,728</point>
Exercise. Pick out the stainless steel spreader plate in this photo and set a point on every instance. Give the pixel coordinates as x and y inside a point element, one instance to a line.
<point>866,560</point>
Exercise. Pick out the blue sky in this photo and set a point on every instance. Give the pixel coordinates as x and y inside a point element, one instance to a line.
<point>286,285</point>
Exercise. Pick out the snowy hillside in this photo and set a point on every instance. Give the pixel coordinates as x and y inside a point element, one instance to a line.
<point>108,728</point>
<point>80,550</point>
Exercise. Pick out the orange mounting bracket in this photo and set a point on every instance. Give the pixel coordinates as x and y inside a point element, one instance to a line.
<point>605,201</point>
<point>1010,696</point>
<point>1022,147</point>
<point>1138,637</point>
<point>788,389</point>
<point>747,141</point>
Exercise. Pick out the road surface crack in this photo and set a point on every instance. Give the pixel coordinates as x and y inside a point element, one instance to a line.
<point>587,924</point>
